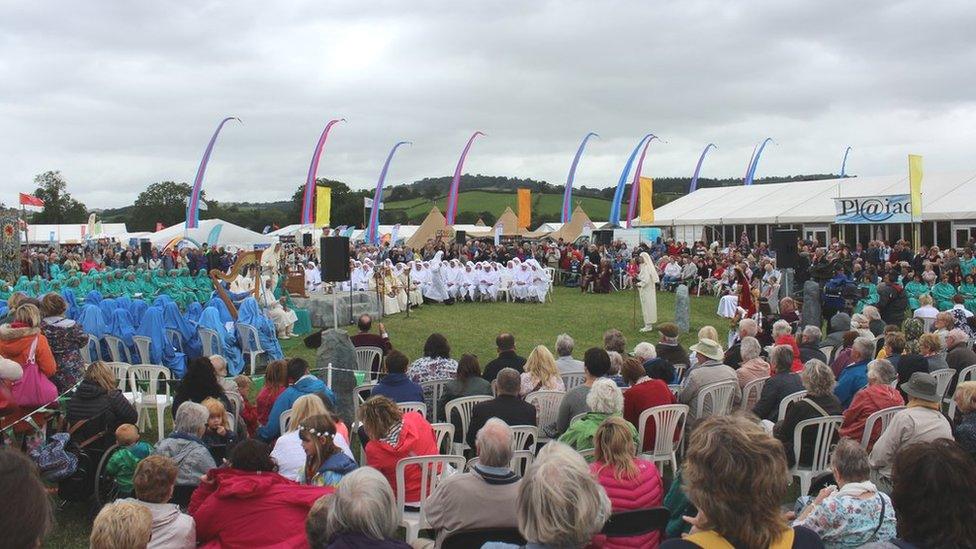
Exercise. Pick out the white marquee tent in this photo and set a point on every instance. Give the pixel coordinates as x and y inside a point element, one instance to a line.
<point>229,235</point>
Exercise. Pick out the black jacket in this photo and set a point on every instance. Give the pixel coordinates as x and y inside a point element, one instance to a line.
<point>105,410</point>
<point>505,359</point>
<point>892,303</point>
<point>775,388</point>
<point>797,412</point>
<point>508,408</point>
<point>675,354</point>
<point>808,352</point>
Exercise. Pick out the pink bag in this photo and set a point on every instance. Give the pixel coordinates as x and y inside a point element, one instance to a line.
<point>33,390</point>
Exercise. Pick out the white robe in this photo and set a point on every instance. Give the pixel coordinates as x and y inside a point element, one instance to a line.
<point>646,279</point>
<point>313,279</point>
<point>468,284</point>
<point>272,307</point>
<point>522,287</point>
<point>436,290</point>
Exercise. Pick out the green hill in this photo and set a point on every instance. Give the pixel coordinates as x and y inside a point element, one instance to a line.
<point>489,205</point>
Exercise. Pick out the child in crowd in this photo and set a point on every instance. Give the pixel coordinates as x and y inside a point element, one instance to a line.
<point>220,369</point>
<point>122,464</point>
<point>249,414</point>
<point>325,463</point>
<point>219,437</point>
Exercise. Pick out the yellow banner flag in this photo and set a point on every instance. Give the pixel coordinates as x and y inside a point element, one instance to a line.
<point>323,206</point>
<point>915,183</point>
<point>524,208</point>
<point>646,201</point>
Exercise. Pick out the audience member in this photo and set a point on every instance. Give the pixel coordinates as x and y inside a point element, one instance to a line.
<point>275,382</point>
<point>122,525</point>
<point>219,436</point>
<point>507,358</point>
<point>122,464</point>
<point>855,376</point>
<point>894,347</point>
<point>325,462</point>
<point>603,401</point>
<point>154,480</point>
<point>506,406</point>
<point>23,336</point>
<point>395,385</point>
<point>839,324</point>
<point>810,344</point>
<point>100,403</point>
<point>965,398</point>
<point>753,366</point>
<point>435,365</point>
<point>300,382</point>
<point>288,452</point>
<point>540,372</point>
<point>565,362</point>
<point>248,504</point>
<point>819,402</point>
<point>668,347</point>
<point>878,395</point>
<point>27,516</point>
<point>960,354</point>
<point>645,392</point>
<point>66,339</point>
<point>708,370</point>
<point>365,338</point>
<point>361,513</point>
<point>467,383</point>
<point>185,446</point>
<point>930,347</point>
<point>483,496</point>
<point>394,435</point>
<point>747,328</point>
<point>734,469</point>
<point>199,383</point>
<point>596,363</point>
<point>842,354</point>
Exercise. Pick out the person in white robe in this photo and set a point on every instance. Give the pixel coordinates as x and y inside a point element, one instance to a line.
<point>412,279</point>
<point>436,290</point>
<point>401,285</point>
<point>522,288</point>
<point>486,289</point>
<point>450,274</point>
<point>646,279</point>
<point>467,282</point>
<point>313,278</point>
<point>540,280</point>
<point>284,319</point>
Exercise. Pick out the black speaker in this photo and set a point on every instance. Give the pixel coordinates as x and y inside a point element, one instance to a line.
<point>603,237</point>
<point>335,258</point>
<point>783,242</point>
<point>307,240</point>
<point>460,237</point>
<point>145,248</point>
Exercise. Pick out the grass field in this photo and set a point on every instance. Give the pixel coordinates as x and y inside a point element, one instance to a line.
<point>496,202</point>
<point>471,328</point>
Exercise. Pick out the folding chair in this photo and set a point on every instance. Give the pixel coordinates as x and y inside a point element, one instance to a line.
<point>571,381</point>
<point>118,349</point>
<point>785,403</point>
<point>433,469</point>
<point>149,398</point>
<point>143,345</point>
<point>669,422</point>
<point>547,405</point>
<point>463,406</point>
<point>884,416</point>
<point>366,357</point>
<point>751,393</point>
<point>250,342</point>
<point>212,345</point>
<point>826,428</point>
<point>419,407</point>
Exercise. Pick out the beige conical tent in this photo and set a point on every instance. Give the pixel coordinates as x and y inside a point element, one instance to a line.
<point>480,223</point>
<point>569,232</point>
<point>433,225</point>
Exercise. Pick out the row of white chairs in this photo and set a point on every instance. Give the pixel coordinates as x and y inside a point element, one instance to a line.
<point>148,389</point>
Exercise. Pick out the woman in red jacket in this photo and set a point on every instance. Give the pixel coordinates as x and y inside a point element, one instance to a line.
<point>394,435</point>
<point>631,483</point>
<point>647,390</point>
<point>250,505</point>
<point>878,395</point>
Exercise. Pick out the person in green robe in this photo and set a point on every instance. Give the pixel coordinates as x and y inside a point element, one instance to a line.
<point>968,291</point>
<point>145,286</point>
<point>914,289</point>
<point>967,263</point>
<point>110,287</point>
<point>204,286</point>
<point>23,285</point>
<point>943,292</point>
<point>871,298</point>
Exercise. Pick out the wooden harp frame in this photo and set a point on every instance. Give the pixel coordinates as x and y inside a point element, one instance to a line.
<point>217,276</point>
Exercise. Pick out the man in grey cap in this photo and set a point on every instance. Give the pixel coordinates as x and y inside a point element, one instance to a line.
<point>921,421</point>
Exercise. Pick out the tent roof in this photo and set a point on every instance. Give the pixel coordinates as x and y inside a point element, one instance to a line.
<point>480,222</point>
<point>230,234</point>
<point>73,233</point>
<point>945,197</point>
<point>569,232</point>
<point>428,229</point>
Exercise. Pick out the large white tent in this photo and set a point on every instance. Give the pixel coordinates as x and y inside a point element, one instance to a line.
<point>228,235</point>
<point>74,233</point>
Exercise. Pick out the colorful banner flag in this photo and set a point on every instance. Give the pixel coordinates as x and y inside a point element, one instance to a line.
<point>372,230</point>
<point>568,192</point>
<point>915,184</point>
<point>313,169</point>
<point>751,174</point>
<point>395,234</point>
<point>635,183</point>
<point>452,196</point>
<point>214,235</point>
<point>646,200</point>
<point>524,208</point>
<point>30,200</point>
<point>323,207</point>
<point>618,194</point>
<point>694,178</point>
<point>193,204</point>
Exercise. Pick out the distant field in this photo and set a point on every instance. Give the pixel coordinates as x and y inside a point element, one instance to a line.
<point>496,202</point>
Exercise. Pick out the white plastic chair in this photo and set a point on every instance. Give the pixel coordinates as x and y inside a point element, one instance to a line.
<point>720,394</point>
<point>828,351</point>
<point>86,351</point>
<point>942,379</point>
<point>679,371</point>
<point>884,416</point>
<point>212,345</point>
<point>114,346</point>
<point>413,407</point>
<point>121,372</point>
<point>573,419</point>
<point>571,381</point>
<point>148,397</point>
<point>365,356</point>
<point>143,345</point>
<point>751,393</point>
<point>463,407</point>
<point>250,343</point>
<point>237,406</point>
<point>966,374</point>
<point>669,420</point>
<point>283,420</point>
<point>588,454</point>
<point>547,409</point>
<point>927,324</point>
<point>359,396</point>
<point>433,469</point>
<point>524,437</point>
<point>826,428</point>
<point>505,287</point>
<point>521,459</point>
<point>436,389</point>
<point>444,432</point>
<point>785,403</point>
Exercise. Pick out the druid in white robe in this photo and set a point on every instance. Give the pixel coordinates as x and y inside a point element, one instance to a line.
<point>646,279</point>
<point>436,291</point>
<point>522,287</point>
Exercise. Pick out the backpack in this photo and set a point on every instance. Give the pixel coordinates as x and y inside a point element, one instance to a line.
<point>54,460</point>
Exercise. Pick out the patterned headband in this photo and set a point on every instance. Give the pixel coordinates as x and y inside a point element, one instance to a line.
<point>314,432</point>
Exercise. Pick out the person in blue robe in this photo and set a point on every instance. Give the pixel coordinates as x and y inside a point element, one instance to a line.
<point>93,323</point>
<point>120,325</point>
<point>210,319</point>
<point>221,307</point>
<point>73,309</point>
<point>192,347</point>
<point>137,309</point>
<point>251,314</point>
<point>93,297</point>
<point>107,306</point>
<point>193,311</point>
<point>161,350</point>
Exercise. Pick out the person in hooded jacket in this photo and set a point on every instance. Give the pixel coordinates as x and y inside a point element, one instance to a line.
<point>185,446</point>
<point>892,301</point>
<point>394,435</point>
<point>300,382</point>
<point>248,504</point>
<point>99,400</point>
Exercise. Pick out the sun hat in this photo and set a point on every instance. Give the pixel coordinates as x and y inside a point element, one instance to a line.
<point>922,385</point>
<point>709,348</point>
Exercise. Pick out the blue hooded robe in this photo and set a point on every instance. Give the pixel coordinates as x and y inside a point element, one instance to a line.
<point>210,318</point>
<point>250,314</point>
<point>161,350</point>
<point>188,333</point>
<point>120,325</point>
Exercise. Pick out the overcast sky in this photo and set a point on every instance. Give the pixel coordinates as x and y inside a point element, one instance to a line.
<point>118,95</point>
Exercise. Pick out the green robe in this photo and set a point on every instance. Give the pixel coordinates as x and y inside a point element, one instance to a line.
<point>871,299</point>
<point>942,293</point>
<point>915,289</point>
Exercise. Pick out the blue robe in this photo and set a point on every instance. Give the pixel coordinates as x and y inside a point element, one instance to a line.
<point>193,311</point>
<point>251,315</point>
<point>73,309</point>
<point>93,322</point>
<point>175,321</point>
<point>93,297</point>
<point>221,307</point>
<point>161,350</point>
<point>137,309</point>
<point>120,325</point>
<point>210,318</point>
<point>107,306</point>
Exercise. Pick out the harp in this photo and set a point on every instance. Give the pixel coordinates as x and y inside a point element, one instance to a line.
<point>217,276</point>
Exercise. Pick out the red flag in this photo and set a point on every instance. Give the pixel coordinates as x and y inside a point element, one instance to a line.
<point>30,200</point>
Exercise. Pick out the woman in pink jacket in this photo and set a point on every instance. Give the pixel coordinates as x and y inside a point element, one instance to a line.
<point>631,483</point>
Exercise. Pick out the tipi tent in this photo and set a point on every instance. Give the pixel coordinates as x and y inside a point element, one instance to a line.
<point>215,232</point>
<point>509,222</point>
<point>480,223</point>
<point>569,232</point>
<point>433,224</point>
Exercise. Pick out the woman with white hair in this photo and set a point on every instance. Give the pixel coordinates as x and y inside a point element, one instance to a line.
<point>753,366</point>
<point>820,401</point>
<point>361,513</point>
<point>560,504</point>
<point>875,324</point>
<point>878,395</point>
<point>603,400</point>
<point>185,446</point>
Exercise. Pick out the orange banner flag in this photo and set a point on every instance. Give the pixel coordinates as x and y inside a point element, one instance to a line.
<point>524,208</point>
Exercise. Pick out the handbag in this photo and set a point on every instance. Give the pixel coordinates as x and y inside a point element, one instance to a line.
<point>53,459</point>
<point>34,389</point>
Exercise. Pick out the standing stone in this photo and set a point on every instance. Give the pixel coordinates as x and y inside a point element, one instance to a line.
<point>786,285</point>
<point>337,348</point>
<point>811,304</point>
<point>682,308</point>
